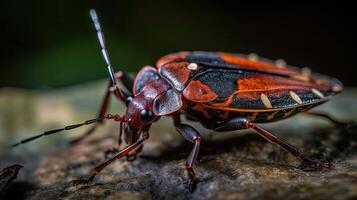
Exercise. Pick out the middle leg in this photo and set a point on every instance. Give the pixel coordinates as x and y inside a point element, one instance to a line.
<point>190,134</point>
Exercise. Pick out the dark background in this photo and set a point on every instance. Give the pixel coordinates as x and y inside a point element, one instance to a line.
<point>49,44</point>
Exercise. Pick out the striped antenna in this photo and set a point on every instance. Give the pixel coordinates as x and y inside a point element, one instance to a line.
<point>105,54</point>
<point>58,130</point>
<point>70,127</point>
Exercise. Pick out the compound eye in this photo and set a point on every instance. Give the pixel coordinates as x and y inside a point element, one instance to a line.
<point>146,115</point>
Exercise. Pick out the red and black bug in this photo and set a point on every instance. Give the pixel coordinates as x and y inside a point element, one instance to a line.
<point>222,91</point>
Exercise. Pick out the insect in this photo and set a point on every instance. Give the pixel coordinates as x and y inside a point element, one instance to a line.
<point>222,91</point>
<point>7,175</point>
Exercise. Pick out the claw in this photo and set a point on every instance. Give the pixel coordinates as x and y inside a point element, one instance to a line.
<point>322,165</point>
<point>350,126</point>
<point>317,165</point>
<point>192,180</point>
<point>79,182</point>
<point>191,185</point>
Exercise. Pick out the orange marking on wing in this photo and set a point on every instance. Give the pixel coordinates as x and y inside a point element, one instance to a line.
<point>198,92</point>
<point>256,64</point>
<point>302,75</point>
<point>252,87</point>
<point>226,103</point>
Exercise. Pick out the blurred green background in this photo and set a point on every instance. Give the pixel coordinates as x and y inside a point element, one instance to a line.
<point>47,44</point>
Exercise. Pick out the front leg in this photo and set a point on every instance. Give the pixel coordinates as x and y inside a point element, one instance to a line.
<point>243,123</point>
<point>125,152</point>
<point>190,134</point>
<point>127,81</point>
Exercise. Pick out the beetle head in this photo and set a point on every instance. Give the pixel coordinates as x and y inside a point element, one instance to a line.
<point>138,115</point>
<point>153,97</point>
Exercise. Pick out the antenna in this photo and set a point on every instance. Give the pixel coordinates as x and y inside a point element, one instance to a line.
<point>105,54</point>
<point>66,128</point>
<point>57,130</point>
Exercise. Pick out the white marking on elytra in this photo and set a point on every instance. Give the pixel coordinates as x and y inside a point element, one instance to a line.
<point>280,63</point>
<point>318,92</point>
<point>253,57</point>
<point>265,100</point>
<point>295,97</point>
<point>192,66</point>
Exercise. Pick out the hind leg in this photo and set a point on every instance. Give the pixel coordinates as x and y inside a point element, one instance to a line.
<point>243,123</point>
<point>350,127</point>
<point>339,124</point>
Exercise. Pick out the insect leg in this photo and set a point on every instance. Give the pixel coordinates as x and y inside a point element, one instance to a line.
<point>122,153</point>
<point>288,147</point>
<point>232,125</point>
<point>343,125</point>
<point>243,123</point>
<point>133,155</point>
<point>114,150</point>
<point>110,151</point>
<point>127,82</point>
<point>190,134</point>
<point>176,119</point>
<point>130,157</point>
